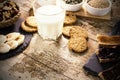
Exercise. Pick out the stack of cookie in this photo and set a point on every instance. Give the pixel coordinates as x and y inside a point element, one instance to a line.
<point>78,38</point>
<point>108,52</point>
<point>77,34</point>
<point>29,25</point>
<point>10,41</point>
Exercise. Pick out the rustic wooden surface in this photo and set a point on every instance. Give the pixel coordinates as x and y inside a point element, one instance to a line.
<point>48,60</point>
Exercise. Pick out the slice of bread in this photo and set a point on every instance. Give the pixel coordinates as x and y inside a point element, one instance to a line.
<point>109,48</point>
<point>112,73</point>
<point>108,40</point>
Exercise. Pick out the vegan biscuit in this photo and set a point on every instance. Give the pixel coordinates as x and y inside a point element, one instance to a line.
<point>28,28</point>
<point>30,21</point>
<point>70,18</point>
<point>78,31</point>
<point>77,44</point>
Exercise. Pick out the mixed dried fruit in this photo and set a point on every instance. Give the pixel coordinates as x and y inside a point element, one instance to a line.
<point>8,9</point>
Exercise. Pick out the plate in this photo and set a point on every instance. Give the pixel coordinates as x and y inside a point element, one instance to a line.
<point>21,48</point>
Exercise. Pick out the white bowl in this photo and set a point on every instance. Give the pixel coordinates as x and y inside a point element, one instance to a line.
<point>70,7</point>
<point>98,11</point>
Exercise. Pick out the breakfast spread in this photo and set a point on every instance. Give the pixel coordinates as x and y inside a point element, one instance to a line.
<point>10,41</point>
<point>108,49</point>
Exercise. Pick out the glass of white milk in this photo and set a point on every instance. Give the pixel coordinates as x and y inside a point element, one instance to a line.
<point>49,18</point>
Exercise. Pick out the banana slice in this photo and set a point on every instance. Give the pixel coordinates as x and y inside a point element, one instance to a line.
<point>2,38</point>
<point>13,44</point>
<point>4,48</point>
<point>20,39</point>
<point>12,36</point>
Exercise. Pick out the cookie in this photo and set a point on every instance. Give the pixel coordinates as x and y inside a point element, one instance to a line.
<point>70,18</point>
<point>77,44</point>
<point>78,31</point>
<point>27,28</point>
<point>66,31</point>
<point>30,21</point>
<point>2,38</point>
<point>4,48</point>
<point>12,36</point>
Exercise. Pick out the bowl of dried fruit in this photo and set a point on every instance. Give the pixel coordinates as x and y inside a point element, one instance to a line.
<point>71,5</point>
<point>9,13</point>
<point>98,7</point>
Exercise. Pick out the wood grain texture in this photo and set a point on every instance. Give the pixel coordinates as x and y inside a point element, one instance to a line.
<point>48,60</point>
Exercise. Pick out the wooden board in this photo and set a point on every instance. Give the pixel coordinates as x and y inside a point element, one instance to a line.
<point>84,13</point>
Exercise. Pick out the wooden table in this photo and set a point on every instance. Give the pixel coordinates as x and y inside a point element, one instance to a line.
<point>48,60</point>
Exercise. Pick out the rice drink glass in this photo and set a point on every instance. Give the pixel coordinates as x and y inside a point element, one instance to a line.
<point>49,18</point>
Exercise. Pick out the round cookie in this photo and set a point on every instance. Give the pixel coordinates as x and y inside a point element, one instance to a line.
<point>30,21</point>
<point>2,38</point>
<point>78,31</point>
<point>27,28</point>
<point>77,44</point>
<point>66,30</point>
<point>4,48</point>
<point>70,18</point>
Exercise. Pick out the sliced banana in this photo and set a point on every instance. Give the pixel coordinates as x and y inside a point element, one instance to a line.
<point>20,39</point>
<point>4,48</point>
<point>13,44</point>
<point>12,36</point>
<point>2,38</point>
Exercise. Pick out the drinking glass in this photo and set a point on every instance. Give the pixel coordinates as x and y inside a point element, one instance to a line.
<point>49,18</point>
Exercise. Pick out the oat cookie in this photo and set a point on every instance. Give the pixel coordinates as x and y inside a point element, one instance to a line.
<point>70,18</point>
<point>77,44</point>
<point>78,31</point>
<point>30,21</point>
<point>28,28</point>
<point>66,30</point>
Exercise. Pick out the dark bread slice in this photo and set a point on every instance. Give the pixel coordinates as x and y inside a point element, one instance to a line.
<point>112,73</point>
<point>108,40</point>
<point>109,48</point>
<point>108,53</point>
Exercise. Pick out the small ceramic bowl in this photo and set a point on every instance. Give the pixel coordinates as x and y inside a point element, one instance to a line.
<point>70,7</point>
<point>98,11</point>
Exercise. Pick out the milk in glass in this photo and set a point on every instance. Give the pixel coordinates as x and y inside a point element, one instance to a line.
<point>50,21</point>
